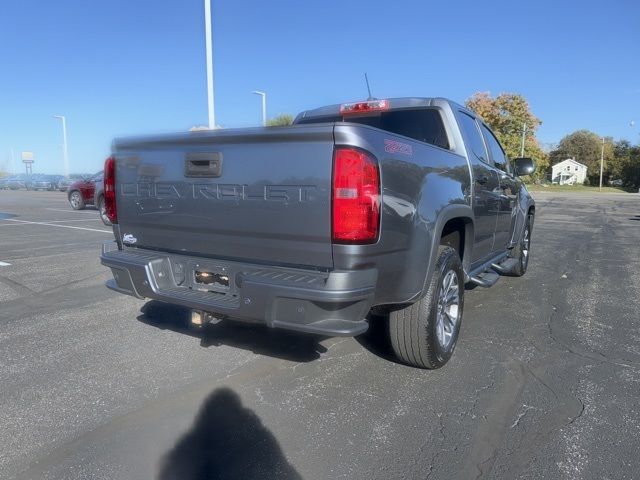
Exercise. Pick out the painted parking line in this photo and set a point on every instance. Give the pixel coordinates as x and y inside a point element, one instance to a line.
<point>7,224</point>
<point>69,210</point>
<point>74,220</point>
<point>4,264</point>
<point>51,221</point>
<point>58,225</point>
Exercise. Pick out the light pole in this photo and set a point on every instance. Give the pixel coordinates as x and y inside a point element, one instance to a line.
<point>264,106</point>
<point>209,53</point>
<point>601,163</point>
<point>64,135</point>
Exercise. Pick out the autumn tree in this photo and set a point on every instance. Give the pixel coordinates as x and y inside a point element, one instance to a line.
<point>506,115</point>
<point>280,121</point>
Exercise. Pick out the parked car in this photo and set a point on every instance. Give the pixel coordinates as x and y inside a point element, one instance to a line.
<point>43,182</point>
<point>89,191</point>
<point>63,184</point>
<point>384,206</point>
<point>18,181</point>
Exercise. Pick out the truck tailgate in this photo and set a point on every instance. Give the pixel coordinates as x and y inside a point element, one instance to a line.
<point>255,195</point>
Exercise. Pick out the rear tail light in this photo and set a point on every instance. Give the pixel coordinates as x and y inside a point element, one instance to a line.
<point>364,107</point>
<point>356,197</point>
<point>110,189</point>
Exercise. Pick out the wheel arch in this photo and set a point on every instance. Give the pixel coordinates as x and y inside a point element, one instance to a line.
<point>453,218</point>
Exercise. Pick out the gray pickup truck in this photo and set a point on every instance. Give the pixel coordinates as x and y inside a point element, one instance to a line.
<point>384,206</point>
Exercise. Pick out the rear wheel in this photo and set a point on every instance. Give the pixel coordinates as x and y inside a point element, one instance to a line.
<point>103,211</point>
<point>76,201</point>
<point>425,333</point>
<point>521,252</point>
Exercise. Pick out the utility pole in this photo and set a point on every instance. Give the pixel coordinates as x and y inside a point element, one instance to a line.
<point>209,52</point>
<point>64,135</point>
<point>601,163</point>
<point>524,133</point>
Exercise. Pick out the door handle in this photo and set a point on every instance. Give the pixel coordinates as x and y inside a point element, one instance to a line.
<point>482,179</point>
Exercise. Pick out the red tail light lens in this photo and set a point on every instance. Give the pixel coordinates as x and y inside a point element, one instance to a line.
<point>356,197</point>
<point>110,189</point>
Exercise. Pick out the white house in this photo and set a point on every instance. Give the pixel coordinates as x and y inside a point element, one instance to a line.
<point>568,172</point>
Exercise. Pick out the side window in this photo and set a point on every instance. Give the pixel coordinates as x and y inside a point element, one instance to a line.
<point>499,158</point>
<point>473,137</point>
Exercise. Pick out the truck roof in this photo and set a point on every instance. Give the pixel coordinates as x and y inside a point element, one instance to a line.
<point>394,103</point>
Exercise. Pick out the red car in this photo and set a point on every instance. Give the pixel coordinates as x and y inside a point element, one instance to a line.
<point>88,191</point>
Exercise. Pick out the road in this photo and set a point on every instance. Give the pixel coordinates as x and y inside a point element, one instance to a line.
<point>545,381</point>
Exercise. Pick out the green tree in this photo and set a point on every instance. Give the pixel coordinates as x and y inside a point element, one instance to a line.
<point>625,164</point>
<point>280,121</point>
<point>618,166</point>
<point>585,147</point>
<point>506,115</point>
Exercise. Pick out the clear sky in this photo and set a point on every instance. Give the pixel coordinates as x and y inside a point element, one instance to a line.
<point>123,67</point>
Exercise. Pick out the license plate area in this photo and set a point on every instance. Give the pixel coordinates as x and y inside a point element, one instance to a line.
<point>211,278</point>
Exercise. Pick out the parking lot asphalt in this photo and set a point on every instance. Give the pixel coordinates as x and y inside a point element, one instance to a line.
<point>545,381</point>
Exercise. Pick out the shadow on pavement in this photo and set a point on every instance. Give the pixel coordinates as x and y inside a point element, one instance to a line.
<point>376,338</point>
<point>226,441</point>
<point>259,339</point>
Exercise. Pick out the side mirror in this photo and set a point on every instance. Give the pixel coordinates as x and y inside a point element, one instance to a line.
<point>524,166</point>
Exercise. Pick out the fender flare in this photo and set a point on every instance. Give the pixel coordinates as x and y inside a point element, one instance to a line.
<point>450,212</point>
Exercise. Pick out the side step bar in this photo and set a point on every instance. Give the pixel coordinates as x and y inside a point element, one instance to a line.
<point>505,267</point>
<point>487,278</point>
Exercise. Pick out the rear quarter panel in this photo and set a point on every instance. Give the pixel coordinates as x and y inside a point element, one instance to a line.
<point>419,182</point>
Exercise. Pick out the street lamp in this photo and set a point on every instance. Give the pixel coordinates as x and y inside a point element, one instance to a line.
<point>264,106</point>
<point>209,53</point>
<point>64,136</point>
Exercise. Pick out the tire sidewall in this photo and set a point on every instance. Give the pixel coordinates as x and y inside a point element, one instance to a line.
<point>522,267</point>
<point>447,260</point>
<point>103,215</point>
<point>80,205</point>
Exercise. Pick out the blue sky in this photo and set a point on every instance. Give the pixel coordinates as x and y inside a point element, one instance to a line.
<point>123,67</point>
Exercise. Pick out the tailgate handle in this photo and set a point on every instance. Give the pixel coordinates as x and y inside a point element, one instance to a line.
<point>202,164</point>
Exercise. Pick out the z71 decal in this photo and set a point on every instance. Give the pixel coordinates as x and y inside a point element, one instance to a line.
<point>391,146</point>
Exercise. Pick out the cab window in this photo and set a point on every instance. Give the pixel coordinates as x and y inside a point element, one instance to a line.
<point>473,137</point>
<point>498,155</point>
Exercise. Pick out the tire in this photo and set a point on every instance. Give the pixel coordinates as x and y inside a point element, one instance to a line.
<point>522,250</point>
<point>418,332</point>
<point>103,211</point>
<point>76,201</point>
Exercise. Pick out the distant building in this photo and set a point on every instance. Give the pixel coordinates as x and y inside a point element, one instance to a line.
<point>568,172</point>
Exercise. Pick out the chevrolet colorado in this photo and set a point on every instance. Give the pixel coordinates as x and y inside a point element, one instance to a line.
<point>390,206</point>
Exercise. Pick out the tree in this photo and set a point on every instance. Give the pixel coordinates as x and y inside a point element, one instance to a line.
<point>625,164</point>
<point>585,147</point>
<point>506,115</point>
<point>280,121</point>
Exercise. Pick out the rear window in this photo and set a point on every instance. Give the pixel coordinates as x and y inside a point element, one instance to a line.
<point>422,124</point>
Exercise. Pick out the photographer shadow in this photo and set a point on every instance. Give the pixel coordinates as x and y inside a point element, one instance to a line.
<point>226,441</point>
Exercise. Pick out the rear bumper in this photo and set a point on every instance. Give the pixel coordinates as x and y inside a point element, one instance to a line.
<point>327,303</point>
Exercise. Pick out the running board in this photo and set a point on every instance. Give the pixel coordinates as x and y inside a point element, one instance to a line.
<point>485,279</point>
<point>506,267</point>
